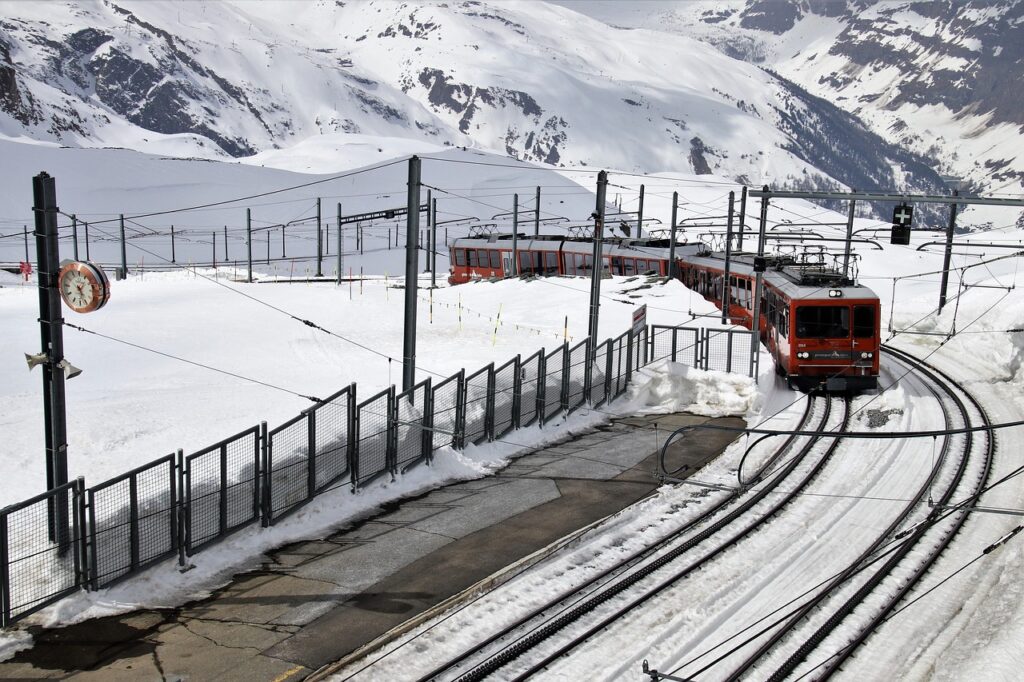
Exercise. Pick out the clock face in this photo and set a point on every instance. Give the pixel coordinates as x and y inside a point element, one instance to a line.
<point>83,286</point>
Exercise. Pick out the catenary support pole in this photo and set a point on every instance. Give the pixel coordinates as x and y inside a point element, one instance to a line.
<point>514,270</point>
<point>52,338</point>
<point>755,345</point>
<point>536,214</point>
<point>86,239</point>
<point>948,255</point>
<point>412,230</point>
<point>640,215</point>
<point>849,237</point>
<point>25,229</point>
<point>319,242</point>
<point>172,243</point>
<point>341,246</point>
<point>124,253</point>
<point>226,257</point>
<point>214,251</point>
<point>672,269</point>
<point>727,298</point>
<point>433,244</point>
<point>743,218</point>
<point>597,270</point>
<point>248,240</point>
<point>426,237</point>
<point>74,234</point>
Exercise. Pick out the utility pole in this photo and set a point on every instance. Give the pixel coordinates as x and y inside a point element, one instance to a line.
<point>172,243</point>
<point>595,275</point>
<point>74,233</point>
<point>514,271</point>
<point>426,238</point>
<point>536,215</point>
<point>412,229</point>
<point>727,298</point>
<point>213,253</point>
<point>248,239</point>
<point>849,236</point>
<point>124,253</point>
<point>755,341</point>
<point>672,238</point>
<point>52,338</point>
<point>319,242</point>
<point>948,256</point>
<point>743,217</point>
<point>226,258</point>
<point>86,239</point>
<point>640,215</point>
<point>433,243</point>
<point>341,246</point>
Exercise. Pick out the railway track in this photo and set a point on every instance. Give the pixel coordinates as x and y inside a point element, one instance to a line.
<point>895,562</point>
<point>532,642</point>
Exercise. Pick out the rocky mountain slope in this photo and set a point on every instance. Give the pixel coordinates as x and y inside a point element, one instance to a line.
<point>936,78</point>
<point>535,81</point>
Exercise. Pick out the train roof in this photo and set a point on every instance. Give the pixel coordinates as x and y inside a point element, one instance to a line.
<point>612,246</point>
<point>792,278</point>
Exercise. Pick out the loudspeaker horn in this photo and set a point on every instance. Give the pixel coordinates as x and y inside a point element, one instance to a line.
<point>37,359</point>
<point>70,371</point>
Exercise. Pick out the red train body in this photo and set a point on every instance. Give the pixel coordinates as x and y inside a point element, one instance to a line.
<point>822,330</point>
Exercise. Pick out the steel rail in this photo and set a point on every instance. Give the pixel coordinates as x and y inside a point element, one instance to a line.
<point>582,607</point>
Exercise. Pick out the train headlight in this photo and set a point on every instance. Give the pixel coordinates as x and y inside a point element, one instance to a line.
<point>835,293</point>
<point>866,355</point>
<point>803,355</point>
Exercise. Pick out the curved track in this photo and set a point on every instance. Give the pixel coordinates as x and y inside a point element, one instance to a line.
<point>548,633</point>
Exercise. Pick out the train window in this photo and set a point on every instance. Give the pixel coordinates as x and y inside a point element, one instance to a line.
<point>784,321</point>
<point>550,262</point>
<point>616,265</point>
<point>495,260</point>
<point>471,253</point>
<point>863,321</point>
<point>460,257</point>
<point>823,322</point>
<point>629,265</point>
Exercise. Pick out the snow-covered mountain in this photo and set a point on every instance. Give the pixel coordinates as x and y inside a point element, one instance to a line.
<point>534,81</point>
<point>937,78</point>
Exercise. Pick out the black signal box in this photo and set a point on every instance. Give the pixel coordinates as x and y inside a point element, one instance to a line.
<point>902,216</point>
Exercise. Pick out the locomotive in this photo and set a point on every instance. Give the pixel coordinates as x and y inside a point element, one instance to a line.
<point>821,327</point>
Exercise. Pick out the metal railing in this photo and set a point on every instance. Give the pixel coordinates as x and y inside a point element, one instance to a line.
<point>74,537</point>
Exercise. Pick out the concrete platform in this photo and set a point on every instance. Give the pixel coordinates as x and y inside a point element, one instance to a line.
<point>317,602</point>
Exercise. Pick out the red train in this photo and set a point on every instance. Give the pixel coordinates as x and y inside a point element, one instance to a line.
<point>822,329</point>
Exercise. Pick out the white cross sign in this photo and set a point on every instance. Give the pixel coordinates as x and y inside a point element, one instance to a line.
<point>902,215</point>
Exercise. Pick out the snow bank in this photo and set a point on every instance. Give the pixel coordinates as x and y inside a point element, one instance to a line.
<point>665,387</point>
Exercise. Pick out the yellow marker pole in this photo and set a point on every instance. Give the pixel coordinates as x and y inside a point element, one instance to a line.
<point>497,321</point>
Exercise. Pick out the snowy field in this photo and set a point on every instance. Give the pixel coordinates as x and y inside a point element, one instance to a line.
<point>132,405</point>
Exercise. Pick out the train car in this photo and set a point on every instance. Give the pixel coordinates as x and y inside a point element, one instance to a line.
<point>490,256</point>
<point>822,329</point>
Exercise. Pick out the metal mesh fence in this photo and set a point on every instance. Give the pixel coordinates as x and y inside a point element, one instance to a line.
<point>287,471</point>
<point>221,488</point>
<point>577,377</point>
<point>446,400</point>
<point>639,349</point>
<point>529,378</point>
<point>728,350</point>
<point>505,397</point>
<point>619,366</point>
<point>479,403</point>
<point>332,427</point>
<point>554,366</point>
<point>132,521</point>
<point>374,437</point>
<point>599,375</point>
<point>678,344</point>
<point>412,414</point>
<point>40,564</point>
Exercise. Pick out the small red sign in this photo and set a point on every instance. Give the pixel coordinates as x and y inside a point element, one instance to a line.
<point>26,269</point>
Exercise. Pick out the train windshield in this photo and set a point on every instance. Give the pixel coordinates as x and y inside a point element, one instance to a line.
<point>823,322</point>
<point>863,321</point>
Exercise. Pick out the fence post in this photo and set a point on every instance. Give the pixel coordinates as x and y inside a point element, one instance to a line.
<point>264,474</point>
<point>5,579</point>
<point>354,465</point>
<point>183,507</point>
<point>629,356</point>
<point>94,578</point>
<point>392,434</point>
<point>517,390</point>
<point>350,424</point>
<point>564,391</point>
<point>589,353</point>
<point>459,428</point>
<point>608,371</point>
<point>542,385</point>
<point>133,520</point>
<point>489,404</point>
<point>728,352</point>
<point>427,432</point>
<point>311,457</point>
<point>83,555</point>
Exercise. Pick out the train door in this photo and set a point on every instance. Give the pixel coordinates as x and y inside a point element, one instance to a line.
<point>506,263</point>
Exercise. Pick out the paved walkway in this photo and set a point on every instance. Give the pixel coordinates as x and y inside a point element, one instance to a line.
<point>315,603</point>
